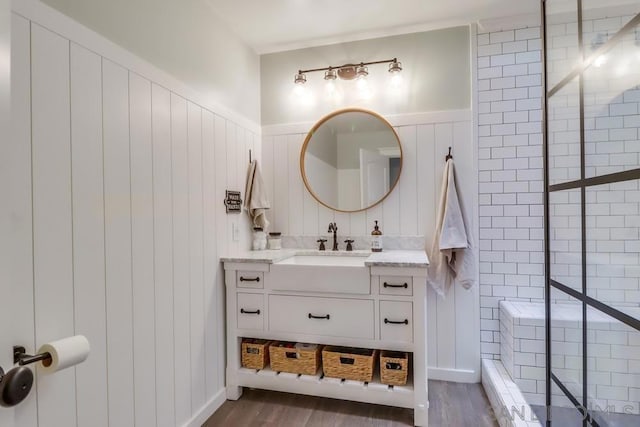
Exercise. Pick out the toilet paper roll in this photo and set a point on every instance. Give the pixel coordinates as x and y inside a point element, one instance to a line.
<point>64,353</point>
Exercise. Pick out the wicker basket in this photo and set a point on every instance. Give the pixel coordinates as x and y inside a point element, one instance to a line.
<point>349,363</point>
<point>295,358</point>
<point>255,353</point>
<point>394,367</point>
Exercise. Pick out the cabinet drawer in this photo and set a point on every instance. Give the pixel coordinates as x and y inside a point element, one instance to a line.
<point>321,316</point>
<point>396,321</point>
<point>396,285</point>
<point>250,279</point>
<point>250,311</point>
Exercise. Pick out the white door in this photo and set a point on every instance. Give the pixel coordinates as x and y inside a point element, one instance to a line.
<point>7,283</point>
<point>374,176</point>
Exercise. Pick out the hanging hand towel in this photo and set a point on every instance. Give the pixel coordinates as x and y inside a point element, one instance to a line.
<point>451,254</point>
<point>255,197</point>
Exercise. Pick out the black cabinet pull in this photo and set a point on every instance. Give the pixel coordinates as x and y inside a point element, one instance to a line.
<point>311,316</point>
<point>243,311</point>
<point>403,322</point>
<point>249,279</point>
<point>391,285</point>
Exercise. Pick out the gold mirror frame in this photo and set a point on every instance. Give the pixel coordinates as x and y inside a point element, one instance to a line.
<point>313,131</point>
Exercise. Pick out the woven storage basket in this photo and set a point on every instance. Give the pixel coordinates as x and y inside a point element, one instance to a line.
<point>255,353</point>
<point>349,363</point>
<point>294,360</point>
<point>394,367</point>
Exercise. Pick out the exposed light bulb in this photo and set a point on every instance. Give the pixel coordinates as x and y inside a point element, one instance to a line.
<point>396,80</point>
<point>361,83</point>
<point>364,90</point>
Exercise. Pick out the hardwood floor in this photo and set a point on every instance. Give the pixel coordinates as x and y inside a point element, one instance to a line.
<point>451,405</point>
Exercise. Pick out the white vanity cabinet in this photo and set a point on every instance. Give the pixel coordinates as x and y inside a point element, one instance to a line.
<point>384,310</point>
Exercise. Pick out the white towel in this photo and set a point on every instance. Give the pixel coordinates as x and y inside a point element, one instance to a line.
<point>451,252</point>
<point>255,197</point>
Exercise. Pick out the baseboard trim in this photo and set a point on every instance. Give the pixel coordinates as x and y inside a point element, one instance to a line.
<point>454,375</point>
<point>207,410</point>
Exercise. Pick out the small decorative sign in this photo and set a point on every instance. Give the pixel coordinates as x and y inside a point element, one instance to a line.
<point>233,202</point>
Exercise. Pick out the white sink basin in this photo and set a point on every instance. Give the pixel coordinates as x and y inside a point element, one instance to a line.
<point>329,272</point>
<point>325,260</point>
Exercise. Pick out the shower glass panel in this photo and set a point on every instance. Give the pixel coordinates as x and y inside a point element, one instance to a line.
<point>563,412</point>
<point>563,49</point>
<point>566,344</point>
<point>613,370</point>
<point>613,245</point>
<point>563,121</point>
<point>565,238</point>
<point>611,100</point>
<point>592,212</point>
<point>600,23</point>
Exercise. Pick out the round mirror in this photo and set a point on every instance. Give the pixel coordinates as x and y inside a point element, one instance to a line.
<point>351,160</point>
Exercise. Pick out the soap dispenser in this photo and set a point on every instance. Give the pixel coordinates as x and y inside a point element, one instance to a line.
<point>376,239</point>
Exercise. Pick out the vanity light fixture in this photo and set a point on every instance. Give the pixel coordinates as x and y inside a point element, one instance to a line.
<point>300,78</point>
<point>330,74</point>
<point>348,71</point>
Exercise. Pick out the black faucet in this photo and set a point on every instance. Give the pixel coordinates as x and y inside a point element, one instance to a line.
<point>333,227</point>
<point>349,244</point>
<point>321,241</point>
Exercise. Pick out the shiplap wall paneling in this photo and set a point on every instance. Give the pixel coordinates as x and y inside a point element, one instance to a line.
<point>267,175</point>
<point>210,252</point>
<point>144,367</point>
<point>445,307</point>
<point>52,227</point>
<point>232,180</point>
<point>467,339</point>
<point>222,225</point>
<point>16,172</point>
<point>426,209</point>
<point>181,285</point>
<point>88,232</point>
<point>391,209</point>
<point>117,193</point>
<point>163,256</point>
<point>196,254</point>
<point>280,168</point>
<point>408,185</point>
<point>296,187</point>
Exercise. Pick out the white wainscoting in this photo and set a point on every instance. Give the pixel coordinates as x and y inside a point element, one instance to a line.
<point>119,223</point>
<point>409,211</point>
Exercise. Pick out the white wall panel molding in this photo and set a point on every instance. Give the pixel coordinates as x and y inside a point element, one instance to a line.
<point>116,186</point>
<point>72,30</point>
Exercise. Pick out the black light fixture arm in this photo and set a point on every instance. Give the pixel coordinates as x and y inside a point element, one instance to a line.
<point>336,67</point>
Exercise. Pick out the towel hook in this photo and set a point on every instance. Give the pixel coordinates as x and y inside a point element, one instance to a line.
<point>448,156</point>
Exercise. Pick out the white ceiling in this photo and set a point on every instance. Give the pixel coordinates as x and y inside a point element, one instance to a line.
<point>277,25</point>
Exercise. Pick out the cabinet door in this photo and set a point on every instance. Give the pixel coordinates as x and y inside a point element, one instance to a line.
<point>396,321</point>
<point>250,311</point>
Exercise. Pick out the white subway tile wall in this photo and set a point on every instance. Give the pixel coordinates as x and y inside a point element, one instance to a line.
<point>510,175</point>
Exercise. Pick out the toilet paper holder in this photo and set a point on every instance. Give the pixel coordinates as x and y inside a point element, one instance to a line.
<point>21,357</point>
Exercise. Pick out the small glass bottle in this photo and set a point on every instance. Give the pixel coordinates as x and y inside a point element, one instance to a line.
<point>275,241</point>
<point>376,239</point>
<point>259,239</point>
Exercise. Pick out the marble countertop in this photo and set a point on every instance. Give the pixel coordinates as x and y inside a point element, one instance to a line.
<point>389,258</point>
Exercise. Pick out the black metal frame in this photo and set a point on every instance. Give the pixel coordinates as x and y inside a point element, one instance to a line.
<point>581,184</point>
